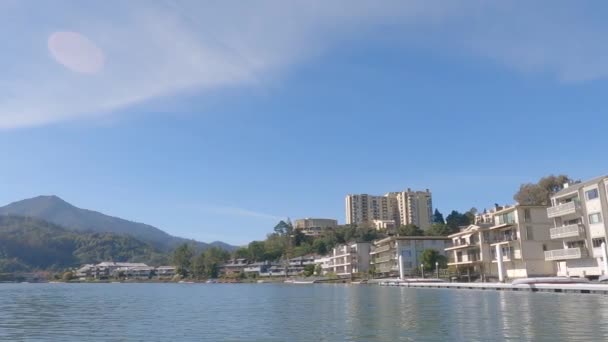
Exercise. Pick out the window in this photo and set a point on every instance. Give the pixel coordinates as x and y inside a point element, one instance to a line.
<point>527,215</point>
<point>575,244</point>
<point>592,194</point>
<point>530,232</point>
<point>595,218</point>
<point>598,242</point>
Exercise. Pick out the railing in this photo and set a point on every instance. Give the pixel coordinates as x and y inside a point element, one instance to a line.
<point>573,230</point>
<point>563,209</point>
<point>382,249</point>
<point>565,254</point>
<point>383,259</point>
<point>505,238</point>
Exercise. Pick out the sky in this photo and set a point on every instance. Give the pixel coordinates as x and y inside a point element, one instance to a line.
<point>213,120</point>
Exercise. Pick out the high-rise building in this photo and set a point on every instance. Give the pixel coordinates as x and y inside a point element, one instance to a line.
<point>406,207</point>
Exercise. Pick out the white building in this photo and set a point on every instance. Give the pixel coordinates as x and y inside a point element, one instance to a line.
<point>579,212</point>
<point>470,250</point>
<point>349,259</point>
<point>387,225</point>
<point>406,207</point>
<point>385,253</point>
<point>315,226</point>
<point>522,234</point>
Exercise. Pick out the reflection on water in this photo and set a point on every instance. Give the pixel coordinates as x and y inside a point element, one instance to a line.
<point>266,312</point>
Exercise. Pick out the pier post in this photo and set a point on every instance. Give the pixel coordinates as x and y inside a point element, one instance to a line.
<point>605,256</point>
<point>501,276</point>
<point>401,275</point>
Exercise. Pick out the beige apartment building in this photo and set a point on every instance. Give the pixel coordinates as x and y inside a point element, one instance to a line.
<point>315,226</point>
<point>386,253</point>
<point>348,259</point>
<point>579,213</point>
<point>406,207</point>
<point>519,233</point>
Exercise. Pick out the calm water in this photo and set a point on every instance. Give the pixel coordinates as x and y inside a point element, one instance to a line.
<point>267,312</point>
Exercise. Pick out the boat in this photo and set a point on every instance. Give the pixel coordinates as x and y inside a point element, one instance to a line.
<point>550,280</point>
<point>302,281</point>
<point>185,282</point>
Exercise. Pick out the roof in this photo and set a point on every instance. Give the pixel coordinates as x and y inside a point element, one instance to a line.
<point>412,238</point>
<point>470,230</point>
<point>575,187</point>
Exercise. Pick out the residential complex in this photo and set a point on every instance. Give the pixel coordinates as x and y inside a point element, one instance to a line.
<point>406,207</point>
<point>519,233</point>
<point>315,226</point>
<point>385,253</point>
<point>579,212</point>
<point>107,269</point>
<point>348,259</point>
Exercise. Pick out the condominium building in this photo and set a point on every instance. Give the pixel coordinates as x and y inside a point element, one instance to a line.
<point>315,226</point>
<point>470,250</point>
<point>406,207</point>
<point>579,212</point>
<point>349,259</point>
<point>519,233</point>
<point>385,253</point>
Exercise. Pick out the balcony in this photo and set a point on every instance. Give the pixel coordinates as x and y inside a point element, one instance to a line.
<point>567,208</point>
<point>385,248</point>
<point>573,230</point>
<point>383,259</point>
<point>566,254</point>
<point>504,238</point>
<point>462,245</point>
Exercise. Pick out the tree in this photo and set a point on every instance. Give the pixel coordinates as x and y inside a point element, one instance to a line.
<point>198,266</point>
<point>319,247</point>
<point>541,192</point>
<point>213,258</point>
<point>410,230</point>
<point>438,229</point>
<point>456,219</point>
<point>242,253</point>
<point>309,270</point>
<point>471,215</point>
<point>438,217</point>
<point>182,259</point>
<point>430,256</point>
<point>257,251</point>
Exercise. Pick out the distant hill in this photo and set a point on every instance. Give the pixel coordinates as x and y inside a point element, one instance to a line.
<point>28,244</point>
<point>55,210</point>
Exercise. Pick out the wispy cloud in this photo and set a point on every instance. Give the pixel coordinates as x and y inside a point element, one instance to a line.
<point>233,211</point>
<point>159,48</point>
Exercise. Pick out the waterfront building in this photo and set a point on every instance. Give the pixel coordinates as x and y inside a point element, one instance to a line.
<point>521,232</point>
<point>315,226</point>
<point>233,267</point>
<point>385,253</point>
<point>469,252</point>
<point>166,271</point>
<point>349,259</point>
<point>405,207</point>
<point>324,263</point>
<point>579,212</point>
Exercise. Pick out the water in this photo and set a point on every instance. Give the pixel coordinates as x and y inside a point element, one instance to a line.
<point>272,312</point>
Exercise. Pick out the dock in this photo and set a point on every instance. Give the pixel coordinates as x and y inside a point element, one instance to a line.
<point>589,288</point>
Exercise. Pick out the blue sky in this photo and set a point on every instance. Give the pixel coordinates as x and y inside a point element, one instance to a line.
<point>213,120</point>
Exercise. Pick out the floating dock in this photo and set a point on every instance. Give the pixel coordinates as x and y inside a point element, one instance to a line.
<point>588,288</point>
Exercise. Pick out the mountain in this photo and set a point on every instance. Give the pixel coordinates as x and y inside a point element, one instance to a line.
<point>55,210</point>
<point>28,244</point>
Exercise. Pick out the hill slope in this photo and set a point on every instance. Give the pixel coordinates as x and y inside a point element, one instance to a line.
<point>28,244</point>
<point>55,210</point>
